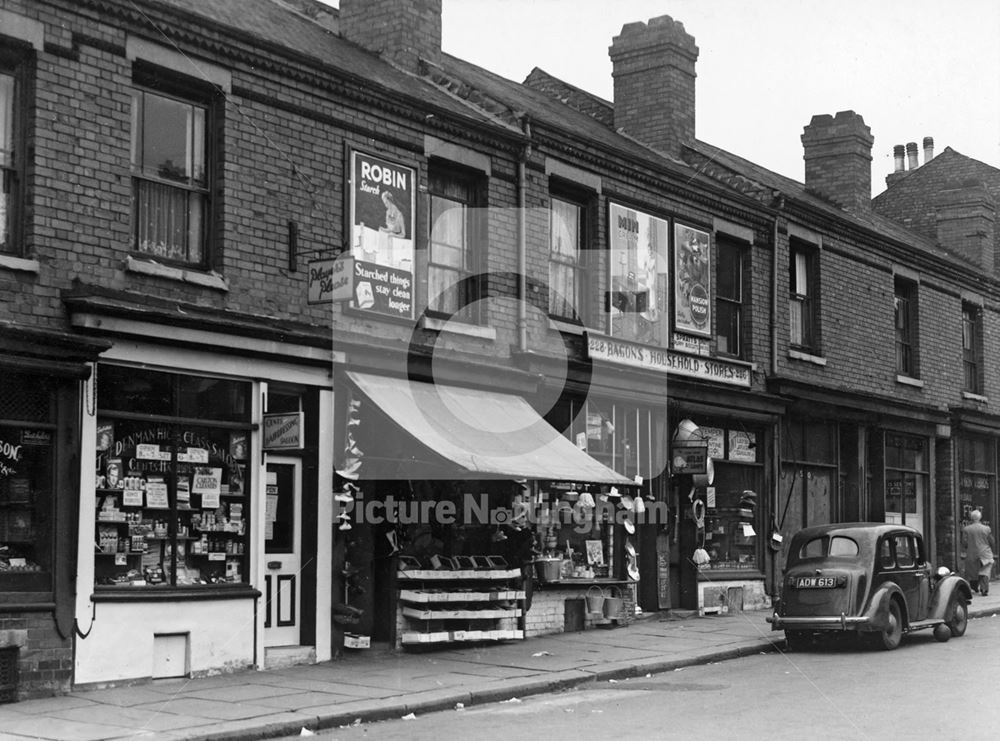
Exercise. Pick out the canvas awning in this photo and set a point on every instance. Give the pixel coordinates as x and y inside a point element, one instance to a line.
<point>483,432</point>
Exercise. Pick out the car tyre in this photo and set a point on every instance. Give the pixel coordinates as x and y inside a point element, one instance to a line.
<point>892,635</point>
<point>958,615</point>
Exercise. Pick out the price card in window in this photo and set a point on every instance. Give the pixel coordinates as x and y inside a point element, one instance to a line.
<point>208,483</point>
<point>156,494</point>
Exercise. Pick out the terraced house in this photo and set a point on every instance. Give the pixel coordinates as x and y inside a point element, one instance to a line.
<point>319,339</point>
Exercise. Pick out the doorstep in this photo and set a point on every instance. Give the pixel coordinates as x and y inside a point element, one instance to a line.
<point>278,657</point>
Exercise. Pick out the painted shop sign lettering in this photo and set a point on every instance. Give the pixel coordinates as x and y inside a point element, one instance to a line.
<point>283,431</point>
<point>619,352</point>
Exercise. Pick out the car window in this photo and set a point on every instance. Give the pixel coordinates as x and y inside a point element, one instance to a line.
<point>905,554</point>
<point>841,546</point>
<point>815,548</point>
<point>885,558</point>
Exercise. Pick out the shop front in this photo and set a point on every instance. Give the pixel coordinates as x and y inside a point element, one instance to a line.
<point>204,515</point>
<point>467,517</point>
<point>42,377</point>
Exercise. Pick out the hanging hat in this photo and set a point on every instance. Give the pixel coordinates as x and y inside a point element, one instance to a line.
<point>639,506</point>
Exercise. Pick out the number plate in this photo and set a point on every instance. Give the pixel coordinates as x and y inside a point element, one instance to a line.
<point>815,582</point>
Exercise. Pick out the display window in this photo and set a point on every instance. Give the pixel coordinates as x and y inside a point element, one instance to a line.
<point>977,478</point>
<point>906,480</point>
<point>27,458</point>
<point>172,489</point>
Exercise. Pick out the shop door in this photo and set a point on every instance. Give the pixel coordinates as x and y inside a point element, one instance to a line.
<point>282,551</point>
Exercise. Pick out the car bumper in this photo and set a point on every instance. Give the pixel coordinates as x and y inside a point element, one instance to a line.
<point>842,622</point>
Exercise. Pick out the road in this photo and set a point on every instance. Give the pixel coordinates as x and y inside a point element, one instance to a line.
<point>919,691</point>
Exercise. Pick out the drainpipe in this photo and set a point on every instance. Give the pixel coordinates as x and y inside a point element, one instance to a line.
<point>776,438</point>
<point>522,240</point>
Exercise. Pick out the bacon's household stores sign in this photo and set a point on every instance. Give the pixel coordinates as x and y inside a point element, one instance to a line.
<point>382,224</point>
<point>620,352</point>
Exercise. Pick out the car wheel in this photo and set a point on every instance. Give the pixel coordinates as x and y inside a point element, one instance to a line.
<point>892,635</point>
<point>958,615</point>
<point>795,640</point>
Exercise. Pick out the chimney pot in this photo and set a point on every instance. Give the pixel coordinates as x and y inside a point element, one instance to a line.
<point>911,155</point>
<point>928,149</point>
<point>899,157</point>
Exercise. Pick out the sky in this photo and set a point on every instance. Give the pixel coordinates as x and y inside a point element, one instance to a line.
<point>911,68</point>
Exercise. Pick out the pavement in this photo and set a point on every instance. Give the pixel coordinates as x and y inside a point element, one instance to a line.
<point>366,686</point>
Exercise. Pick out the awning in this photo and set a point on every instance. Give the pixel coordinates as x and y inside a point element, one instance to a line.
<point>483,432</point>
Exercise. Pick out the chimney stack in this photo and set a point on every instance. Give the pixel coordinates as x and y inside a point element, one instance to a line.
<point>838,157</point>
<point>965,223</point>
<point>654,75</point>
<point>899,157</point>
<point>402,31</point>
<point>911,156</point>
<point>928,149</point>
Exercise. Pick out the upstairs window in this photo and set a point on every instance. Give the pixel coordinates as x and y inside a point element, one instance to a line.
<point>972,332</point>
<point>729,297</point>
<point>170,173</point>
<point>567,235</point>
<point>905,300</point>
<point>11,151</point>
<point>803,298</point>
<point>456,246</point>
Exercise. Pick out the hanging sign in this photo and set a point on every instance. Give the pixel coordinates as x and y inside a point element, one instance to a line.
<point>331,280</point>
<point>283,431</point>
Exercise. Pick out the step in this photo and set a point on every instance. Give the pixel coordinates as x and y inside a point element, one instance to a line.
<point>277,657</point>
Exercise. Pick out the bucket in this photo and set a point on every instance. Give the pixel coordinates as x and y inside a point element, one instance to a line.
<point>595,600</point>
<point>548,569</point>
<point>613,603</point>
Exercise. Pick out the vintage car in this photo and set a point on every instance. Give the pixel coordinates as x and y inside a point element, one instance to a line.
<point>872,579</point>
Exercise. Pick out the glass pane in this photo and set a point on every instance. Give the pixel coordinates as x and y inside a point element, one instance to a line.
<point>801,276</point>
<point>795,317</point>
<point>441,294</point>
<point>562,290</point>
<point>166,138</point>
<point>25,505</point>
<point>565,229</point>
<point>196,234</point>
<point>213,398</point>
<point>197,169</point>
<point>161,212</point>
<point>728,277</point>
<point>6,120</point>
<point>447,221</point>
<point>134,390</point>
<point>448,255</point>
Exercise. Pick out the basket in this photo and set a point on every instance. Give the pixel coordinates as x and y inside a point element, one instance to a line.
<point>595,600</point>
<point>548,569</point>
<point>613,603</point>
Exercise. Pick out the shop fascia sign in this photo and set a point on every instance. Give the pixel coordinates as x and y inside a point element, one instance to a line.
<point>283,431</point>
<point>663,360</point>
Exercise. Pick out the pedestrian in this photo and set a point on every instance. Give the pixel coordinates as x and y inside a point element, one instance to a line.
<point>976,542</point>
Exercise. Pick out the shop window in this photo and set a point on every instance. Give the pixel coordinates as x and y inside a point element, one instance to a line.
<point>803,299</point>
<point>972,339</point>
<point>172,499</point>
<point>171,158</point>
<point>730,257</point>
<point>807,484</point>
<point>567,257</point>
<point>905,302</point>
<point>906,480</point>
<point>13,76</point>
<point>457,244</point>
<point>27,450</point>
<point>731,511</point>
<point>977,477</point>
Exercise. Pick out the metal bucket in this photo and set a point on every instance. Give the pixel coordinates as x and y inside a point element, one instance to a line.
<point>548,569</point>
<point>595,600</point>
<point>613,603</point>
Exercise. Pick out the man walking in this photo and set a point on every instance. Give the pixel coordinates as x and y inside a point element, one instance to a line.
<point>976,542</point>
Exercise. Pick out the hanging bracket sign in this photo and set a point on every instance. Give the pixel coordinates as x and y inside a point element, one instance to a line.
<point>283,431</point>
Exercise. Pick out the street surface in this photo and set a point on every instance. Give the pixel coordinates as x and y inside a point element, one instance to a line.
<point>923,690</point>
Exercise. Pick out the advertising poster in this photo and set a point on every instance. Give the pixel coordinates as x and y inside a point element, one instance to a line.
<point>692,281</point>
<point>382,224</point>
<point>637,301</point>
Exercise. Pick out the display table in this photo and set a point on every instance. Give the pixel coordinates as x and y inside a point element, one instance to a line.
<point>562,606</point>
<point>448,606</point>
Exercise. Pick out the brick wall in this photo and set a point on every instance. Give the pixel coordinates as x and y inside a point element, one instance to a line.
<point>45,660</point>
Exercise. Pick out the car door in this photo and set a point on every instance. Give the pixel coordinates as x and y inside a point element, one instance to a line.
<point>911,574</point>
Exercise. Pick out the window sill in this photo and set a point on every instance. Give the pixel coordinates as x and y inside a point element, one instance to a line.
<point>910,381</point>
<point>206,279</point>
<point>165,592</point>
<point>804,356</point>
<point>435,324</point>
<point>23,264</point>
<point>978,398</point>
<point>567,327</point>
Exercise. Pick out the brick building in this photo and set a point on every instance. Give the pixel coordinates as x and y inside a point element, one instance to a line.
<point>269,272</point>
